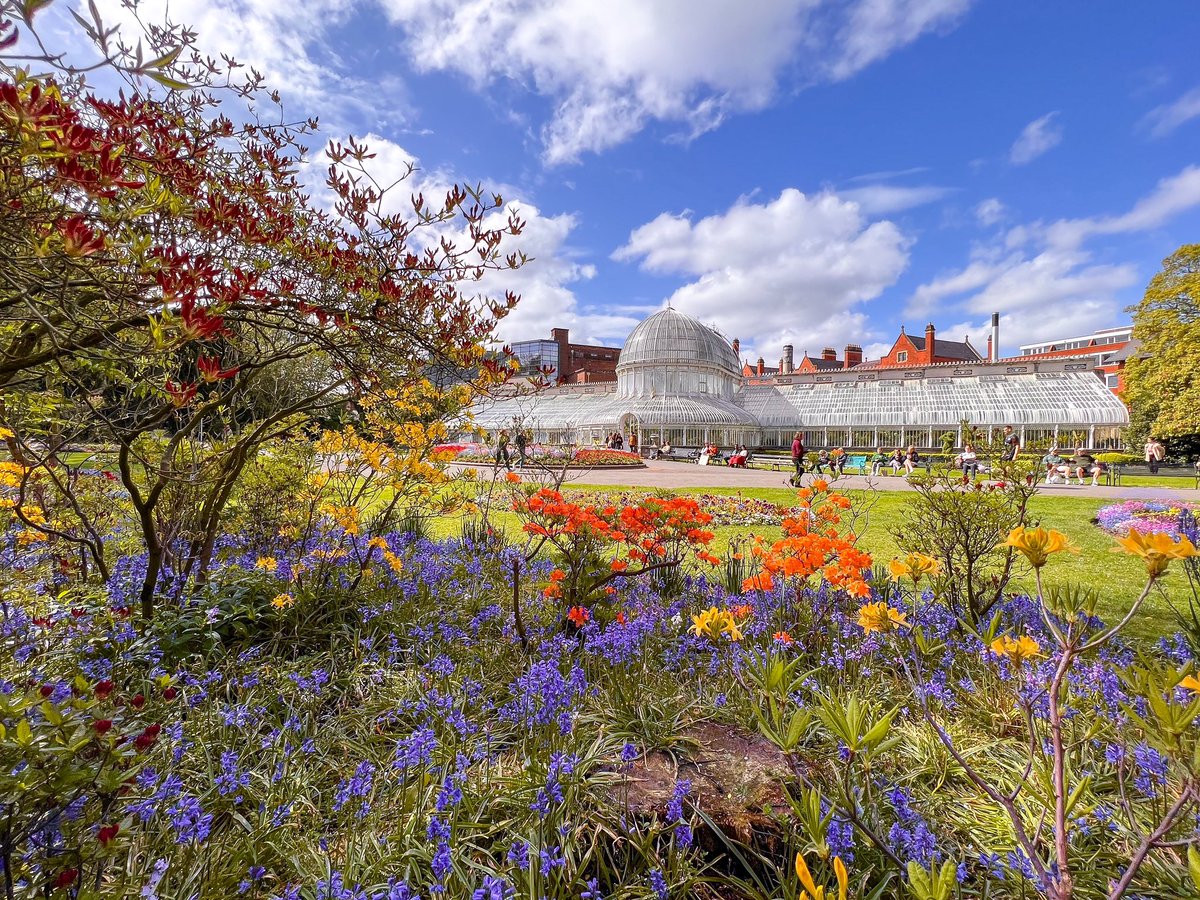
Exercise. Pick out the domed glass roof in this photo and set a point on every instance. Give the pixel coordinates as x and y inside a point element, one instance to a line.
<point>670,338</point>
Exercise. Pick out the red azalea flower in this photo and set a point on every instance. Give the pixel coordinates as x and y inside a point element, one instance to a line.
<point>578,616</point>
<point>46,690</point>
<point>103,689</point>
<point>170,693</point>
<point>107,833</point>
<point>66,877</point>
<point>102,726</point>
<point>138,701</point>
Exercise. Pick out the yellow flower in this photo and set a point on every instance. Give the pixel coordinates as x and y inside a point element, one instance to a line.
<point>1156,548</point>
<point>817,892</point>
<point>267,563</point>
<point>713,622</point>
<point>915,566</point>
<point>1019,649</point>
<point>394,562</point>
<point>283,601</point>
<point>1191,683</point>
<point>1037,544</point>
<point>880,617</point>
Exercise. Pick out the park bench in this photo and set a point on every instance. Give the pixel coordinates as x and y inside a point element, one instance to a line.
<point>1113,473</point>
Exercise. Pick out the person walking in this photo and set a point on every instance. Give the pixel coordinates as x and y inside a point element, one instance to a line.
<point>521,444</point>
<point>1155,453</point>
<point>633,443</point>
<point>502,450</point>
<point>797,458</point>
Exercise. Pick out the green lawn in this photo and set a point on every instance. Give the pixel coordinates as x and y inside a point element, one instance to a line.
<point>1120,577</point>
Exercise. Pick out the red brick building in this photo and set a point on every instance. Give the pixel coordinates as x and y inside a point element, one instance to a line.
<point>571,363</point>
<point>910,351</point>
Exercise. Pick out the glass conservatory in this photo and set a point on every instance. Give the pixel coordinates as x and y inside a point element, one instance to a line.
<point>680,381</point>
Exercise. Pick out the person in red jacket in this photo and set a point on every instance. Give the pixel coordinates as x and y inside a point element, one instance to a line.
<point>797,457</point>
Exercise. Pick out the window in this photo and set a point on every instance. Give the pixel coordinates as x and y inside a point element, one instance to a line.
<point>1112,381</point>
<point>902,356</point>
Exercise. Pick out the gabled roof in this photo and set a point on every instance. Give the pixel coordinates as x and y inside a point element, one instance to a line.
<point>950,349</point>
<point>824,364</point>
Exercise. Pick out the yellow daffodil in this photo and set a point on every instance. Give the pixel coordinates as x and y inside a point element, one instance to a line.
<point>1021,648</point>
<point>1157,549</point>
<point>1036,544</point>
<point>880,617</point>
<point>817,892</point>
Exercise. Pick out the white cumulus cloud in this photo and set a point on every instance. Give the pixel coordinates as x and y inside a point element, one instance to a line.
<point>609,69</point>
<point>1036,138</point>
<point>790,270</point>
<point>1044,280</point>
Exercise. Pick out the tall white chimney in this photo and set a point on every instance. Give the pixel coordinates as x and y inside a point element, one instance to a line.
<point>995,336</point>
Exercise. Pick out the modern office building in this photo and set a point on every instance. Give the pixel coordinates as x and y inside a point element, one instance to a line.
<point>679,380</point>
<point>571,363</point>
<point>1108,349</point>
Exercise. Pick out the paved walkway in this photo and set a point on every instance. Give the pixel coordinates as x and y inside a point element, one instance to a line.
<point>670,475</point>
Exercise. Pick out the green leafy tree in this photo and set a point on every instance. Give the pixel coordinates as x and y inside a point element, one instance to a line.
<point>1161,384</point>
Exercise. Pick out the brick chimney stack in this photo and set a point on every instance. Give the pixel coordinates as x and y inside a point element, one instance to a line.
<point>854,355</point>
<point>737,347</point>
<point>761,367</point>
<point>786,367</point>
<point>562,337</point>
<point>929,342</point>
<point>829,354</point>
<point>990,353</point>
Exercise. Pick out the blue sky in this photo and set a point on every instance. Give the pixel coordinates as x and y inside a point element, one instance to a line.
<point>805,172</point>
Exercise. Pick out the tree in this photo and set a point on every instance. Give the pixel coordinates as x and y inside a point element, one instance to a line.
<point>164,271</point>
<point>1162,385</point>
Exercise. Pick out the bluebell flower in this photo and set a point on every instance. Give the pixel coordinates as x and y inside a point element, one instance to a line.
<point>518,855</point>
<point>552,859</point>
<point>494,888</point>
<point>658,884</point>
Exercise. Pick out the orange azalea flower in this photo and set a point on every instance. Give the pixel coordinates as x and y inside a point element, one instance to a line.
<point>513,478</point>
<point>619,565</point>
<point>621,620</point>
<point>760,582</point>
<point>743,611</point>
<point>579,616</point>
<point>820,485</point>
<point>880,617</point>
<point>1019,649</point>
<point>1036,544</point>
<point>1191,683</point>
<point>783,637</point>
<point>557,575</point>
<point>1156,548</point>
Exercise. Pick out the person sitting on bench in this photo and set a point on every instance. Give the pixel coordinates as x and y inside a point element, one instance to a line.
<point>1083,463</point>
<point>878,461</point>
<point>1054,467</point>
<point>970,463</point>
<point>738,458</point>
